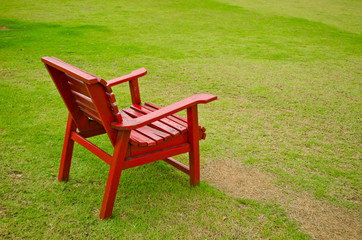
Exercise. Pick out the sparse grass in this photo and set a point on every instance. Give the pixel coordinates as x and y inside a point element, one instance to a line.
<point>289,91</point>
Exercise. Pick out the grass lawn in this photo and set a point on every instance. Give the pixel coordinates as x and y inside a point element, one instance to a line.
<point>288,78</point>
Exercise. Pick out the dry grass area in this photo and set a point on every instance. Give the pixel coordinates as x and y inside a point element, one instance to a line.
<point>4,28</point>
<point>321,219</point>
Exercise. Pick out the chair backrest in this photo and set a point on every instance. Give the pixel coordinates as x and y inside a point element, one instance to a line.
<point>87,97</point>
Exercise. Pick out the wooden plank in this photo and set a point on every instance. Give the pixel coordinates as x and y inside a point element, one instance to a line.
<point>159,133</point>
<point>194,154</point>
<point>79,89</point>
<point>81,120</point>
<point>114,174</point>
<point>135,91</point>
<point>88,108</point>
<point>69,69</point>
<point>92,133</point>
<point>77,86</point>
<point>141,139</point>
<point>157,124</point>
<point>111,97</point>
<point>67,152</point>
<point>133,75</point>
<point>74,80</point>
<point>155,156</point>
<point>90,115</point>
<point>83,99</point>
<point>171,117</point>
<point>166,111</point>
<point>91,147</point>
<point>178,165</point>
<point>114,108</point>
<point>148,132</point>
<point>102,104</point>
<point>165,120</point>
<point>156,107</point>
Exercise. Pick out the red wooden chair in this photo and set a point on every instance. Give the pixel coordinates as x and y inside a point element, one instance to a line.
<point>140,134</point>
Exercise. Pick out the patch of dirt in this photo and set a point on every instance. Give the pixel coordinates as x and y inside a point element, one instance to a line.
<point>4,28</point>
<point>319,218</point>
<point>16,176</point>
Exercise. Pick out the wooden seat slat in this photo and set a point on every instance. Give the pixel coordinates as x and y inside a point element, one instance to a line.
<point>140,134</point>
<point>182,123</point>
<point>156,107</point>
<point>141,139</point>
<point>157,124</point>
<point>166,121</point>
<point>148,132</point>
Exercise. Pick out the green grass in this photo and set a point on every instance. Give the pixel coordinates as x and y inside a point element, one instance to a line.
<point>289,88</point>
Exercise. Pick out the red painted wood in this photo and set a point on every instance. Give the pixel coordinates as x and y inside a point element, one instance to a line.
<point>156,107</point>
<point>77,86</point>
<point>111,97</point>
<point>156,124</point>
<point>171,117</point>
<point>83,99</point>
<point>67,151</point>
<point>142,140</point>
<point>69,69</point>
<point>114,174</point>
<point>91,112</point>
<point>155,155</point>
<point>134,75</point>
<point>194,154</point>
<point>59,77</point>
<point>93,132</point>
<point>135,91</point>
<point>102,104</point>
<point>137,134</point>
<point>166,111</point>
<point>180,166</point>
<point>140,134</point>
<point>178,119</point>
<point>91,147</point>
<point>174,141</point>
<point>148,132</point>
<point>165,120</point>
<point>165,136</point>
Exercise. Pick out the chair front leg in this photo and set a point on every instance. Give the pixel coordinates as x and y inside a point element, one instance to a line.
<point>114,175</point>
<point>194,154</point>
<point>67,151</point>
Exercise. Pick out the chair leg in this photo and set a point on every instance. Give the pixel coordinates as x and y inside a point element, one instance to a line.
<point>194,154</point>
<point>67,151</point>
<point>114,175</point>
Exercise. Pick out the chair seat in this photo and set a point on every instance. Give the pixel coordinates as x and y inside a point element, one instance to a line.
<point>157,132</point>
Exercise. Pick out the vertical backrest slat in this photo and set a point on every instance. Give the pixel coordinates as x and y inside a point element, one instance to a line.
<point>85,95</point>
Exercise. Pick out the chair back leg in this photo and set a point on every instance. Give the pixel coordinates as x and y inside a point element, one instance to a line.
<point>67,151</point>
<point>194,154</point>
<point>114,175</point>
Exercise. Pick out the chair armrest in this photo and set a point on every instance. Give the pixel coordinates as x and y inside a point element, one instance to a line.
<point>133,75</point>
<point>164,112</point>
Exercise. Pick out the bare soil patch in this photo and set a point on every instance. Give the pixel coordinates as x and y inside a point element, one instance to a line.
<point>4,28</point>
<point>319,218</point>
